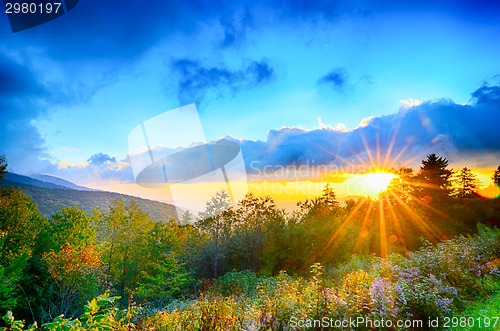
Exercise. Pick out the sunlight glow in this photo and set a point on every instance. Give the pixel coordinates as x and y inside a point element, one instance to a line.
<point>377,182</point>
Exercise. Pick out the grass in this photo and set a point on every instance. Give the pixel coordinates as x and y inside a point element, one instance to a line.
<point>483,309</point>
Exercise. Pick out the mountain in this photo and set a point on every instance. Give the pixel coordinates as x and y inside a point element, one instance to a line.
<point>61,182</point>
<point>15,178</point>
<point>50,198</point>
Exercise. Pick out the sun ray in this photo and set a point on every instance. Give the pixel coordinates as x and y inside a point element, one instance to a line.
<point>395,218</point>
<point>342,226</point>
<point>425,204</point>
<point>383,236</point>
<point>424,226</point>
<point>361,234</point>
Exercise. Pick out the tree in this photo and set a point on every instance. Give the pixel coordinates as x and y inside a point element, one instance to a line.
<point>434,178</point>
<point>186,218</point>
<point>324,205</point>
<point>68,226</point>
<point>122,233</point>
<point>496,176</point>
<point>64,264</point>
<point>250,223</point>
<point>402,185</point>
<point>3,165</point>
<point>215,221</point>
<point>167,280</point>
<point>73,270</point>
<point>467,183</point>
<point>20,224</point>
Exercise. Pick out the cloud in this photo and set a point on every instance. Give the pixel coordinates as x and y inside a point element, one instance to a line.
<point>100,168</point>
<point>487,95</point>
<point>291,146</point>
<point>337,78</point>
<point>100,158</point>
<point>462,133</point>
<point>22,96</point>
<point>408,103</point>
<point>196,80</point>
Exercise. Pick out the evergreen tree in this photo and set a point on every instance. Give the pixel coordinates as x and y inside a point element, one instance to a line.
<point>434,178</point>
<point>467,183</point>
<point>186,218</point>
<point>496,176</point>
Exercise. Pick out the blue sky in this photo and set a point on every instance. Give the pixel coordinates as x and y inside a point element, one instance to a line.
<point>73,89</point>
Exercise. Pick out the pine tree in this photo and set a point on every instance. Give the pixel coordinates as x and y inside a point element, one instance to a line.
<point>328,197</point>
<point>434,176</point>
<point>496,176</point>
<point>467,183</point>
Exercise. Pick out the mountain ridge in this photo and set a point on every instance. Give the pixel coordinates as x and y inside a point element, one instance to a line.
<point>50,198</point>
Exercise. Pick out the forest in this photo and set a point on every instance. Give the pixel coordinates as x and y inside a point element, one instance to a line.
<point>426,248</point>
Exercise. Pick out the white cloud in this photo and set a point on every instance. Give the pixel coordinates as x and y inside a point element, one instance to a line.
<point>408,103</point>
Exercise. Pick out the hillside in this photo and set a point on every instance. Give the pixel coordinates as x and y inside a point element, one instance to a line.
<point>61,182</point>
<point>52,197</point>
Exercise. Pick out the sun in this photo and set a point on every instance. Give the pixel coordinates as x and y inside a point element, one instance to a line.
<point>377,182</point>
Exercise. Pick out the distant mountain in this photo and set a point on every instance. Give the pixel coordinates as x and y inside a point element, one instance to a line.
<point>61,182</point>
<point>50,198</point>
<point>15,178</point>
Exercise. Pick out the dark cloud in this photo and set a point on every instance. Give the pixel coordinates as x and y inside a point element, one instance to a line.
<point>100,158</point>
<point>487,94</point>
<point>22,96</point>
<point>16,79</point>
<point>196,80</point>
<point>337,78</point>
<point>117,30</point>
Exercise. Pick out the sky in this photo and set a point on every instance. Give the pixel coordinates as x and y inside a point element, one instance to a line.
<point>344,84</point>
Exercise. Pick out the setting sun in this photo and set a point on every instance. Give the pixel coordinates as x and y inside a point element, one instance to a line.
<point>377,182</point>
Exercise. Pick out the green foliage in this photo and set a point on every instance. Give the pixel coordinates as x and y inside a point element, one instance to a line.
<point>215,221</point>
<point>424,285</point>
<point>69,226</point>
<point>166,280</point>
<point>238,283</point>
<point>16,325</point>
<point>122,234</point>
<point>20,224</point>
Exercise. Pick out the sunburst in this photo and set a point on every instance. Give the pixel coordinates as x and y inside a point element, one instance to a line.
<point>391,206</point>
